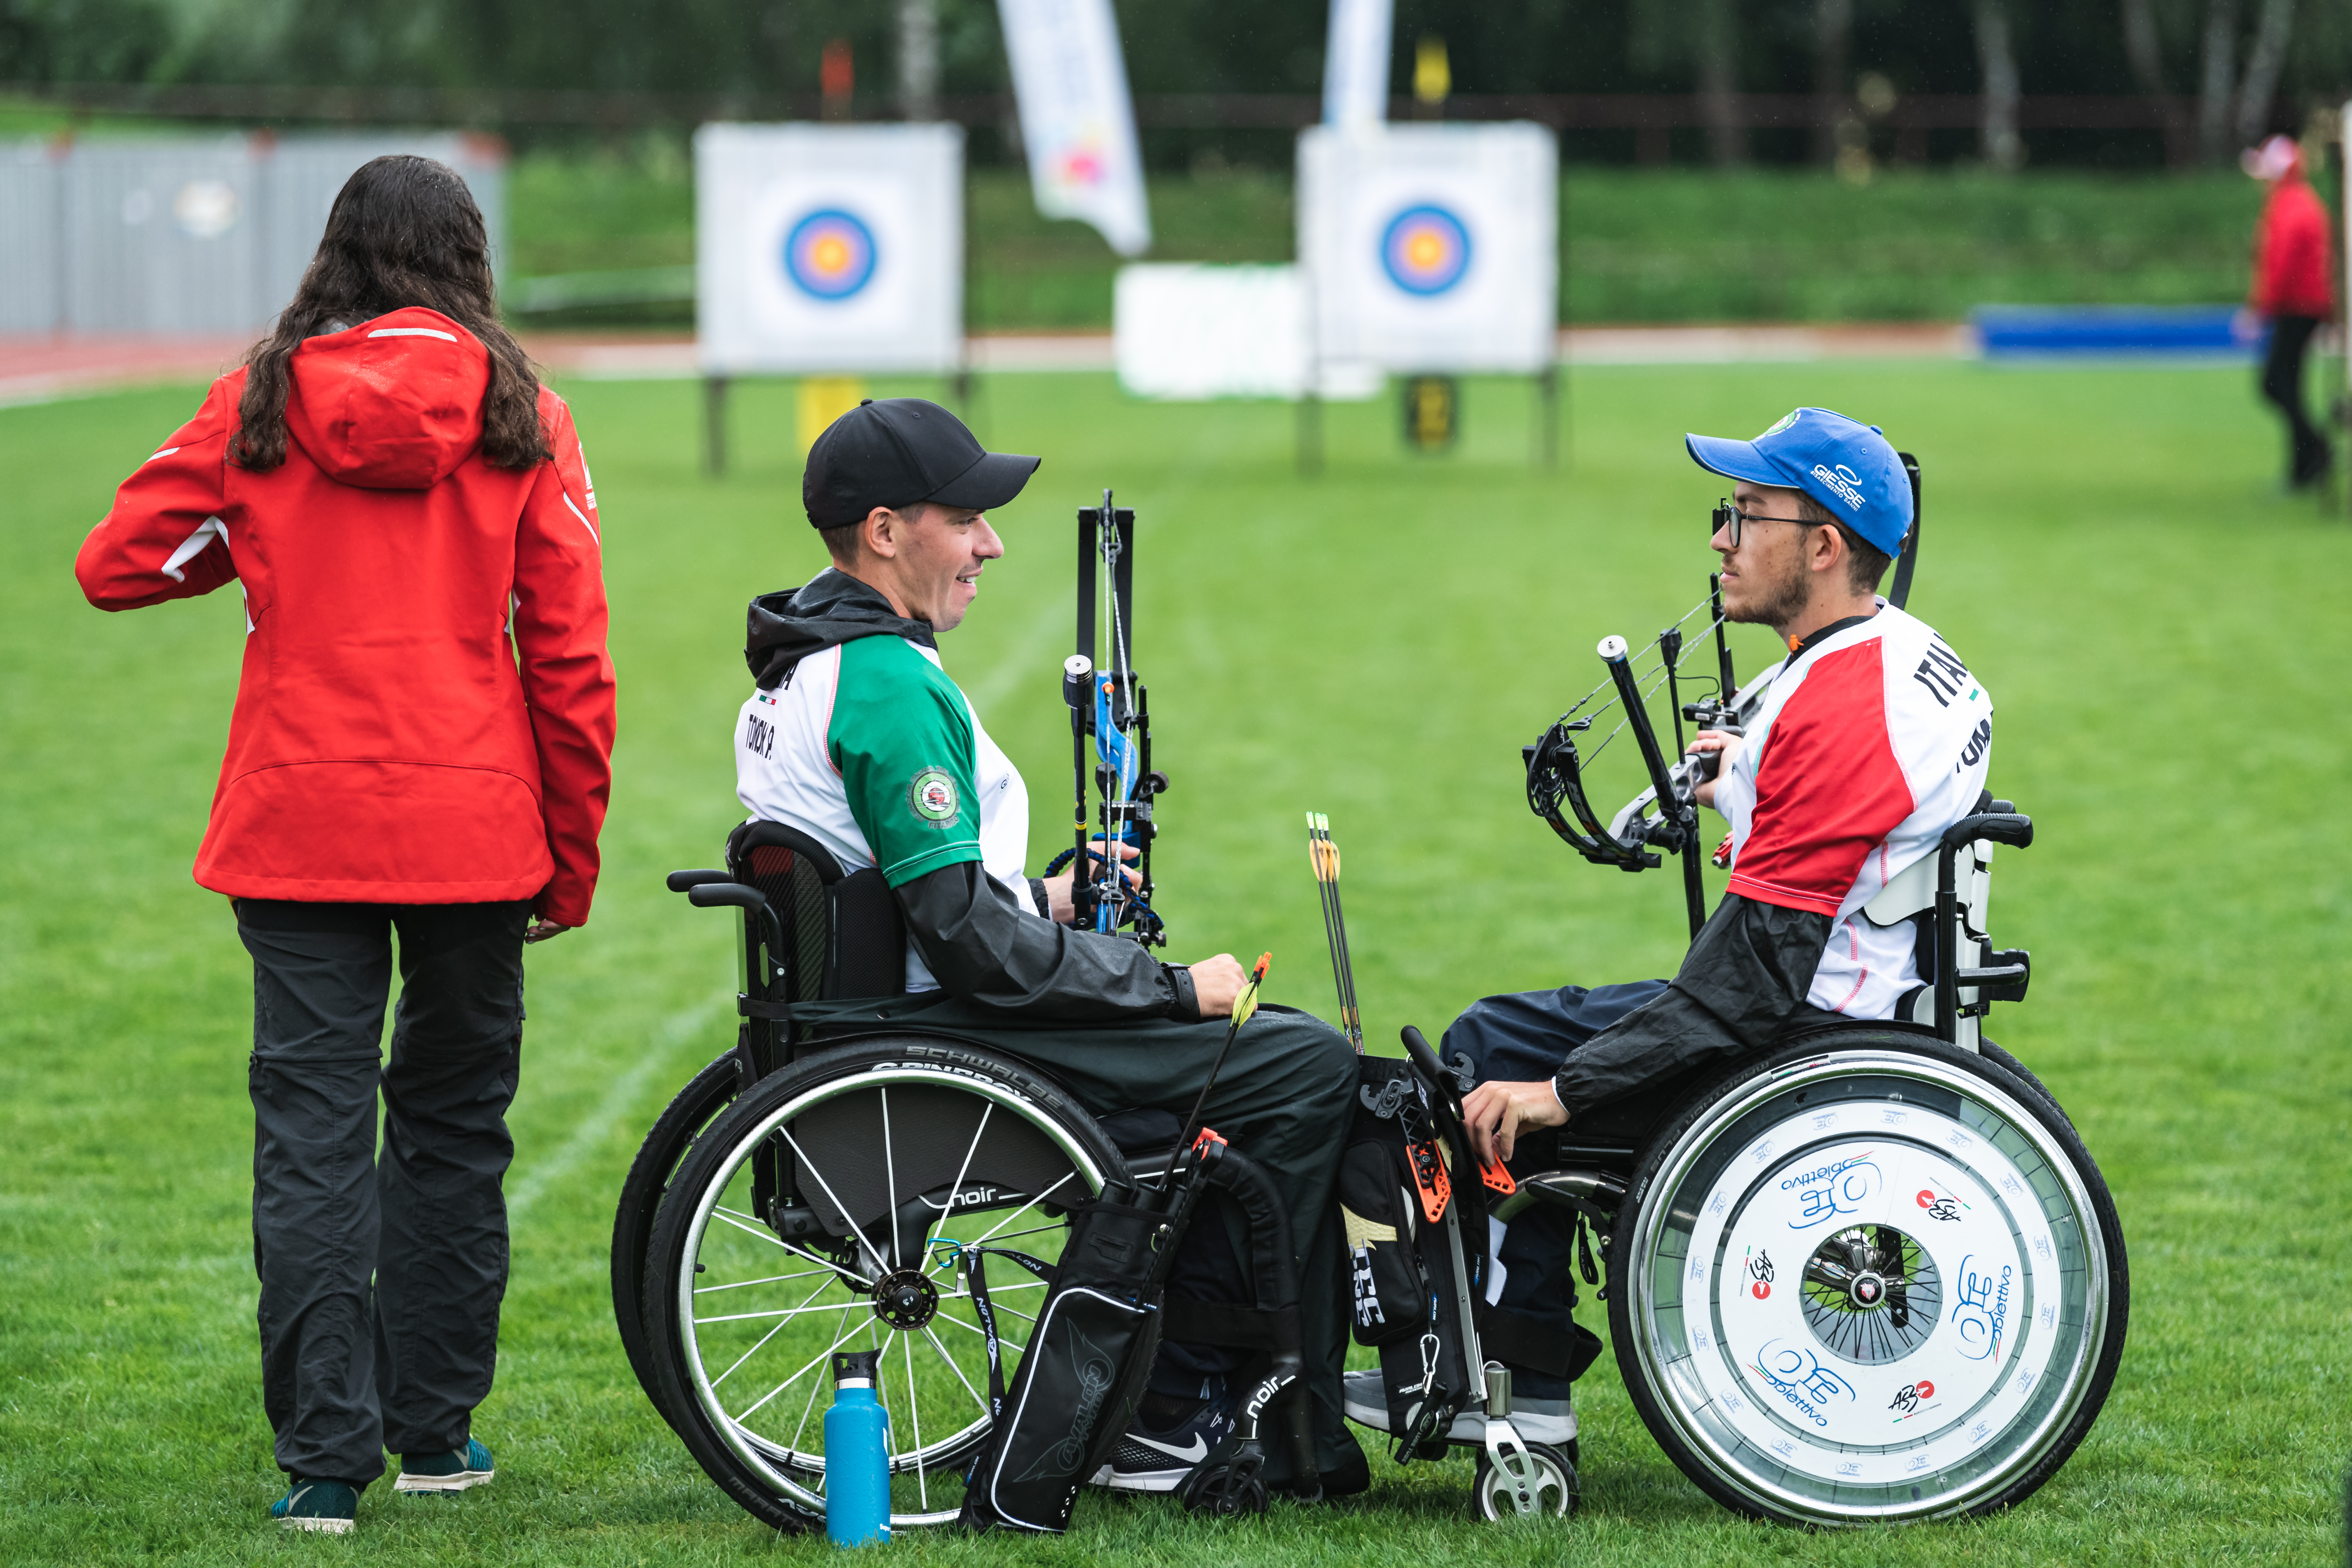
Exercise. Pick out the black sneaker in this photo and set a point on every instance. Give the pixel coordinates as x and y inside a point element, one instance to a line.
<point>1146,1460</point>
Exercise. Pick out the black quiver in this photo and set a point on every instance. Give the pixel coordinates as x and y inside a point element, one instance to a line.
<point>1396,1188</point>
<point>1091,1349</point>
<point>1420,1256</point>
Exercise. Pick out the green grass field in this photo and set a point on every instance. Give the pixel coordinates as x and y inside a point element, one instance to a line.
<point>2162,636</point>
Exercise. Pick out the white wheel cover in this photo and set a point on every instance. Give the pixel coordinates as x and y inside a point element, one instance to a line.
<point>1935,1394</point>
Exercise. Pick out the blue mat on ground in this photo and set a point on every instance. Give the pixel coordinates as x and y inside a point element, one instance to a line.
<point>2115,332</point>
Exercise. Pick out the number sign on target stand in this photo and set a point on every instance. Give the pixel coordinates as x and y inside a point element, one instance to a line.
<point>1434,248</point>
<point>826,249</point>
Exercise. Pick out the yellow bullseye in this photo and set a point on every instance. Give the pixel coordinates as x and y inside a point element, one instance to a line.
<point>1425,251</point>
<point>830,254</point>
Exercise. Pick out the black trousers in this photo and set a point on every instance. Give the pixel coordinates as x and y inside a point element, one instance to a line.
<point>1517,1039</point>
<point>380,1275</point>
<point>1285,1096</point>
<point>2307,450</point>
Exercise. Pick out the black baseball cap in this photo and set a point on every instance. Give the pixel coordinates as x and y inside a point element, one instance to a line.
<point>899,451</point>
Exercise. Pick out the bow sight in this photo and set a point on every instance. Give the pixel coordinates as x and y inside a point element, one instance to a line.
<point>1108,703</point>
<point>1663,818</point>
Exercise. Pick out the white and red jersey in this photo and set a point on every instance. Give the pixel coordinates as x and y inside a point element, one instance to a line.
<point>1869,744</point>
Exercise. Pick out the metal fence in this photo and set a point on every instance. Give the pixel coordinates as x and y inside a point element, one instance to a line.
<point>188,235</point>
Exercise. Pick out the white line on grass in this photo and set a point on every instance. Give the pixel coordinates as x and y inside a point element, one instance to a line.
<point>617,1102</point>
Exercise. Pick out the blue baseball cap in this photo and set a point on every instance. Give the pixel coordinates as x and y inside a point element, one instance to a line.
<point>1846,466</point>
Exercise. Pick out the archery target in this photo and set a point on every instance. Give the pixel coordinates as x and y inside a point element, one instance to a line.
<point>830,254</point>
<point>1430,247</point>
<point>829,248</point>
<point>1425,249</point>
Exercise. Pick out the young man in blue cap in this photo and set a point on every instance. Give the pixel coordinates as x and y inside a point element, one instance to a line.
<point>1873,740</point>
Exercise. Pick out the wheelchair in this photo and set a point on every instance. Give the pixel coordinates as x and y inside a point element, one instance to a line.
<point>1871,1274</point>
<point>805,1195</point>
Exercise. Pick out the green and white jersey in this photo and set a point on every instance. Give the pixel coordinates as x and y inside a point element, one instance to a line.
<point>869,749</point>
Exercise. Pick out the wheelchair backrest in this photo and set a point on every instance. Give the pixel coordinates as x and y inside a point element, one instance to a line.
<point>841,930</point>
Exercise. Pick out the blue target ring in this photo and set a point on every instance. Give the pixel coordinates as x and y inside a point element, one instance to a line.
<point>1425,250</point>
<point>829,255</point>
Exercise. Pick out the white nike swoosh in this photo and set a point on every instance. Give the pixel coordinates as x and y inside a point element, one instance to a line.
<point>1193,1455</point>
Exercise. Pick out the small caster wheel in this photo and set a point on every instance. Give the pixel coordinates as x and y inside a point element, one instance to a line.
<point>1547,1486</point>
<point>1227,1489</point>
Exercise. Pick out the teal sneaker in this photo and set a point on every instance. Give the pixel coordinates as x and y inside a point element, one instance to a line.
<point>310,1504</point>
<point>451,1472</point>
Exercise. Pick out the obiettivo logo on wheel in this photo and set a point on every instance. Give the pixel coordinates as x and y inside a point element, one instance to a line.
<point>931,795</point>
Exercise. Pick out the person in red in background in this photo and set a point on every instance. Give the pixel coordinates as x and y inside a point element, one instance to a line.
<point>421,744</point>
<point>2295,288</point>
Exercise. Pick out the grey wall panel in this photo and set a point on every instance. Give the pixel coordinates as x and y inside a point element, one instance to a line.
<point>200,235</point>
<point>32,258</point>
<point>164,237</point>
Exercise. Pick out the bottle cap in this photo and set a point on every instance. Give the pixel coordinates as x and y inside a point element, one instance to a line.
<point>856,1369</point>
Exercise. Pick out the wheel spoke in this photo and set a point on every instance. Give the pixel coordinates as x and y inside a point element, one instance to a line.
<point>765,1280</point>
<point>1024,1208</point>
<point>915,1416</point>
<point>941,1346</point>
<point>818,1361</point>
<point>772,1313</point>
<point>973,1328</point>
<point>763,1339</point>
<point>881,1265</point>
<point>890,1180</point>
<point>987,1109</point>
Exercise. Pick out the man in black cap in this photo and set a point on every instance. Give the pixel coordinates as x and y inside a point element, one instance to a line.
<point>856,735</point>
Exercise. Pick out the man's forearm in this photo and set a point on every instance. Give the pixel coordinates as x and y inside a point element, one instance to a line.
<point>983,948</point>
<point>1744,978</point>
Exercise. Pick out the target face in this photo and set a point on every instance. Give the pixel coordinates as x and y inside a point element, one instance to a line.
<point>1425,250</point>
<point>829,255</point>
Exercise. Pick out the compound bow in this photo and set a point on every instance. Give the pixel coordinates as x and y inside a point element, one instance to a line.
<point>1108,703</point>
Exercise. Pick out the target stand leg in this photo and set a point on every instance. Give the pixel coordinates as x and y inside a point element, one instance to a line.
<point>714,425</point>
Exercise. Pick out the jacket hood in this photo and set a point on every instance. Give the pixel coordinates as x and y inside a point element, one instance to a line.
<point>393,404</point>
<point>830,608</point>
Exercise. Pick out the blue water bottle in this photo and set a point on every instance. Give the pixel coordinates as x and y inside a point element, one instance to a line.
<point>856,1453</point>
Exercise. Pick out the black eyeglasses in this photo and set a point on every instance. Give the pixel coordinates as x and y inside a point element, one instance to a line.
<point>1727,519</point>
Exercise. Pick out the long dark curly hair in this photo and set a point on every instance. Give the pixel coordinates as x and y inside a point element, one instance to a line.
<point>405,231</point>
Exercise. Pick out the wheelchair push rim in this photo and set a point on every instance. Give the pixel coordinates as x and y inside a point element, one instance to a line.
<point>1871,1284</point>
<point>755,1318</point>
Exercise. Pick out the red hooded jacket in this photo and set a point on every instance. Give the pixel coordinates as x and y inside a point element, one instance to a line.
<point>2293,276</point>
<point>426,714</point>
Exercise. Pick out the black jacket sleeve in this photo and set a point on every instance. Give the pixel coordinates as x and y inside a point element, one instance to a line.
<point>1744,979</point>
<point>981,947</point>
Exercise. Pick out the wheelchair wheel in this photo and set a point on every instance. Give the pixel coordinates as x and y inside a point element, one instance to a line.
<point>892,1157</point>
<point>673,1132</point>
<point>1551,1487</point>
<point>1868,1277</point>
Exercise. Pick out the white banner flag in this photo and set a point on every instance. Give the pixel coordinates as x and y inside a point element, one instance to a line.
<point>1356,62</point>
<point>1076,116</point>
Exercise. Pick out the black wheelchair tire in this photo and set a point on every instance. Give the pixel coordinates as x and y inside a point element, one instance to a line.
<point>693,1107</point>
<point>706,1160</point>
<point>1994,1053</point>
<point>1670,1133</point>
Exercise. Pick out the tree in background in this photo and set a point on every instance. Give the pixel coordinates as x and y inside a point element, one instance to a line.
<point>2220,72</point>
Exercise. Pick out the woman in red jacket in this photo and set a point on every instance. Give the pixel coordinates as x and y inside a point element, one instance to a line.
<point>2295,288</point>
<point>420,746</point>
